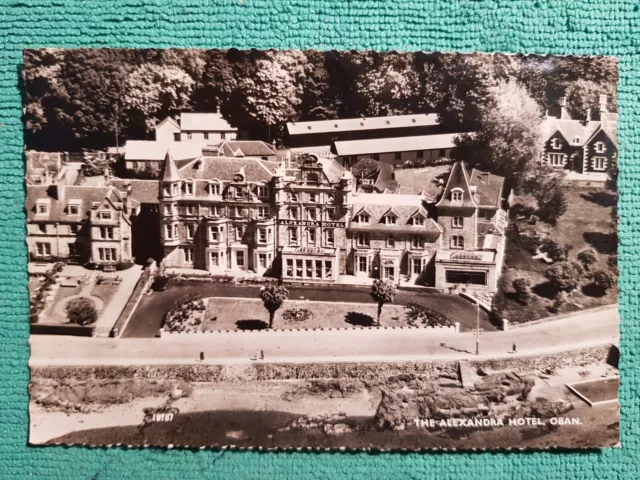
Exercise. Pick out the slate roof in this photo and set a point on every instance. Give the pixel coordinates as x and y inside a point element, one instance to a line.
<point>363,124</point>
<point>571,128</point>
<point>204,122</point>
<point>381,173</point>
<point>458,179</point>
<point>170,170</point>
<point>395,144</point>
<point>225,169</point>
<point>144,191</point>
<point>88,195</point>
<point>488,188</point>
<point>241,148</point>
<point>141,150</point>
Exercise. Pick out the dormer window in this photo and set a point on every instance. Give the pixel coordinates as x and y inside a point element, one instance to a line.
<point>104,215</point>
<point>600,148</point>
<point>418,221</point>
<point>312,178</point>
<point>263,191</point>
<point>73,209</point>
<point>456,195</point>
<point>174,189</point>
<point>188,187</point>
<point>362,218</point>
<point>576,140</point>
<point>214,188</point>
<point>390,219</point>
<point>556,144</point>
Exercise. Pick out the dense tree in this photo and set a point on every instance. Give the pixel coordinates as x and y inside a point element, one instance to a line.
<point>547,186</point>
<point>564,276</point>
<point>81,311</point>
<point>585,94</point>
<point>507,142</point>
<point>603,280</point>
<point>521,289</point>
<point>273,296</point>
<point>587,257</point>
<point>151,92</point>
<point>382,291</point>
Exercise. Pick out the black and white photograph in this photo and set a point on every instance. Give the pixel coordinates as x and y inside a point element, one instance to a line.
<point>286,249</point>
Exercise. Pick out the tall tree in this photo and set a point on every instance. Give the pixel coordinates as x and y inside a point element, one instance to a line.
<point>508,140</point>
<point>382,291</point>
<point>273,296</point>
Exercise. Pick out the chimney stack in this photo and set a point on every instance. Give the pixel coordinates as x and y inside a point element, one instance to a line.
<point>588,115</point>
<point>218,109</point>
<point>603,103</point>
<point>563,108</point>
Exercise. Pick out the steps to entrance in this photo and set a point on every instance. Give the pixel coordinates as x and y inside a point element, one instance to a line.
<point>465,373</point>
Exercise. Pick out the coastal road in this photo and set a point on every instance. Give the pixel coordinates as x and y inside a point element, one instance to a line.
<point>583,329</point>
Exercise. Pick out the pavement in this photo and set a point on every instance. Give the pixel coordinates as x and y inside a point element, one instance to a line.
<point>586,329</point>
<point>109,316</point>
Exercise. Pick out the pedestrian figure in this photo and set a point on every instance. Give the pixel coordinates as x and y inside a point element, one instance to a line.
<point>261,354</point>
<point>202,356</point>
<point>514,349</point>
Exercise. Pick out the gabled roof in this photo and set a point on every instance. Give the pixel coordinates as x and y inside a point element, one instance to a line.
<point>571,128</point>
<point>489,188</point>
<point>88,197</point>
<point>363,124</point>
<point>381,173</point>
<point>170,121</point>
<point>144,191</point>
<point>395,144</point>
<point>332,169</point>
<point>458,179</point>
<point>150,150</point>
<point>205,122</point>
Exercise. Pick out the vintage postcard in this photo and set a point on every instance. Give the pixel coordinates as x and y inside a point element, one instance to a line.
<point>305,249</point>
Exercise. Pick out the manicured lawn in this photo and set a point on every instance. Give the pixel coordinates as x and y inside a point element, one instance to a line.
<point>587,223</point>
<point>104,293</point>
<point>63,292</point>
<point>250,314</point>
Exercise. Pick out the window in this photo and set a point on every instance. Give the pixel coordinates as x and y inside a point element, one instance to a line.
<point>262,235</point>
<point>330,213</point>
<point>312,214</point>
<point>330,237</point>
<point>311,236</point>
<point>293,236</point>
<point>223,136</point>
<point>298,268</point>
<point>188,188</point>
<point>190,209</point>
<point>238,211</point>
<point>104,215</point>
<point>293,197</point>
<point>206,135</point>
<point>363,264</point>
<point>239,229</point>
<point>72,249</point>
<point>599,163</point>
<point>214,259</point>
<point>174,189</point>
<point>576,140</point>
<point>457,241</point>
<point>42,209</point>
<point>263,212</point>
<point>362,218</point>
<point>363,240</point>
<point>456,195</point>
<point>262,260</point>
<point>74,210</point>
<point>175,231</point>
<point>391,241</point>
<point>214,211</point>
<point>42,227</point>
<point>312,178</point>
<point>214,189</point>
<point>328,269</point>
<point>289,271</point>
<point>457,222</point>
<point>191,231</point>
<point>213,233</point>
<point>600,148</point>
<point>188,255</point>
<point>240,258</point>
<point>308,268</point>
<point>312,198</point>
<point>420,154</point>
<point>417,241</point>
<point>376,156</point>
<point>556,144</point>
<point>168,232</point>
<point>488,215</point>
<point>457,276</point>
<point>418,221</point>
<point>106,233</point>
<point>390,219</point>
<point>107,254</point>
<point>189,136</point>
<point>263,191</point>
<point>556,159</point>
<point>397,156</point>
<point>318,271</point>
<point>74,228</point>
<point>43,249</point>
<point>293,212</point>
<point>416,266</point>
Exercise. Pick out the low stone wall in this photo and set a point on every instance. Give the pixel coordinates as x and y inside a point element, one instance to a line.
<point>438,329</point>
<point>62,329</point>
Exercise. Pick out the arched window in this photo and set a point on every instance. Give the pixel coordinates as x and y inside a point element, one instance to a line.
<point>456,195</point>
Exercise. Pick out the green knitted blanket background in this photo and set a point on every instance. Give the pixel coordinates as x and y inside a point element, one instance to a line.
<point>610,27</point>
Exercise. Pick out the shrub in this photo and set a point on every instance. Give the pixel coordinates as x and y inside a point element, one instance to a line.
<point>297,315</point>
<point>603,280</point>
<point>565,276</point>
<point>81,311</point>
<point>160,283</point>
<point>554,251</point>
<point>521,288</point>
<point>421,315</point>
<point>124,265</point>
<point>183,316</point>
<point>587,257</point>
